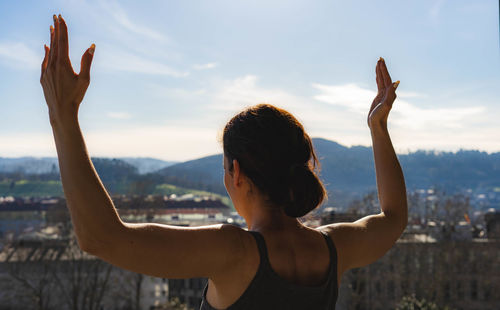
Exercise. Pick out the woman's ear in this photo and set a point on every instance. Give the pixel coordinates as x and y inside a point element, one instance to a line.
<point>236,173</point>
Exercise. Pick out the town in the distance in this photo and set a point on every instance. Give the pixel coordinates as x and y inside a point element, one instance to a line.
<point>449,252</point>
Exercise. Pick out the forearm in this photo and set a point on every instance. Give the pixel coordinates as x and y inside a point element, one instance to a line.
<point>93,214</point>
<point>390,180</point>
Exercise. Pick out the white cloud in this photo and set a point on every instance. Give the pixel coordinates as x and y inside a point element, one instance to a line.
<point>336,112</point>
<point>410,116</point>
<point>234,95</point>
<point>165,142</point>
<point>319,119</point>
<point>210,65</point>
<point>119,115</point>
<point>18,55</point>
<point>349,96</point>
<point>119,60</point>
<point>121,17</point>
<point>27,144</point>
<point>410,94</point>
<point>404,114</point>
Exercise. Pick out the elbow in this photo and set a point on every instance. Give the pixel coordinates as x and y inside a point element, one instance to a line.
<point>93,246</point>
<point>98,243</point>
<point>399,218</point>
<point>88,247</point>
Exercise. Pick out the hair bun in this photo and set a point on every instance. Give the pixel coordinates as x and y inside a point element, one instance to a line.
<point>306,191</point>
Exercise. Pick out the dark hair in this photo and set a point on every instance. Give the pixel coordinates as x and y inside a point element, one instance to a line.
<point>275,152</point>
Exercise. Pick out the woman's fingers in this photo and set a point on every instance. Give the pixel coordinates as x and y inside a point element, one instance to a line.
<point>86,63</point>
<point>63,53</point>
<point>45,59</point>
<point>380,80</point>
<point>385,74</point>
<point>380,86</point>
<point>55,48</point>
<point>52,39</point>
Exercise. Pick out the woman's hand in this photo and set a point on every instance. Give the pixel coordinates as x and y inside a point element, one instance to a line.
<point>62,87</point>
<point>382,104</point>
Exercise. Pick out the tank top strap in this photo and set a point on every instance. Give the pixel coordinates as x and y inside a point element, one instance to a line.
<point>333,251</point>
<point>261,244</point>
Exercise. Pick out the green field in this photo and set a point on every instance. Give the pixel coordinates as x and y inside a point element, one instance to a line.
<point>168,189</point>
<point>25,188</point>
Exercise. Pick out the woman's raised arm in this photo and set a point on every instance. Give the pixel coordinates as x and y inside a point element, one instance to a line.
<point>91,209</point>
<point>153,249</point>
<point>366,240</point>
<point>390,181</point>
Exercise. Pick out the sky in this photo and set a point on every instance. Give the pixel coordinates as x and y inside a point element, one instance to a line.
<point>168,75</point>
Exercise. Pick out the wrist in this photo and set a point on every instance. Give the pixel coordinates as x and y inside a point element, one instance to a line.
<point>62,120</point>
<point>378,127</point>
<point>65,128</point>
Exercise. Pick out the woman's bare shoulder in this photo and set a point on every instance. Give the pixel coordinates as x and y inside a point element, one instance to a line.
<point>363,242</point>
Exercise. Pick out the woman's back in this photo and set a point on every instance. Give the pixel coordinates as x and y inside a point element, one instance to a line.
<point>282,269</point>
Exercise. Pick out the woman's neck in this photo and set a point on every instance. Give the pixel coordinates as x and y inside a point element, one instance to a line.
<point>267,219</point>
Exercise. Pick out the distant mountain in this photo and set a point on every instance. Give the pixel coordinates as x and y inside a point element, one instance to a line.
<point>451,171</point>
<point>347,172</point>
<point>345,168</point>
<point>29,165</point>
<point>113,171</point>
<point>42,165</point>
<point>147,164</point>
<point>350,171</point>
<point>205,174</point>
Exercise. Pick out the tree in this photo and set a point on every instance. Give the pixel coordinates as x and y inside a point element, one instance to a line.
<point>412,303</point>
<point>35,277</point>
<point>368,204</point>
<point>130,288</point>
<point>173,304</point>
<point>82,278</point>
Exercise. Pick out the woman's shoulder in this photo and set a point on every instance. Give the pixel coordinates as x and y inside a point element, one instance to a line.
<point>364,241</point>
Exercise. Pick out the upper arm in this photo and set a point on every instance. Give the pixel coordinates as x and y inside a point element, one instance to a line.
<point>174,251</point>
<point>366,240</point>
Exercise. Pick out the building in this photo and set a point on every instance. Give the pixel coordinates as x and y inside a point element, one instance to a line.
<point>45,270</point>
<point>462,275</point>
<point>189,291</point>
<point>492,219</point>
<point>440,262</point>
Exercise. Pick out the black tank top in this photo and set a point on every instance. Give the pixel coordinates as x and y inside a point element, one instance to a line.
<point>268,290</point>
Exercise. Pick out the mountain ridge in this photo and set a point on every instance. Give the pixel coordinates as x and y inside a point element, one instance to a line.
<point>347,172</point>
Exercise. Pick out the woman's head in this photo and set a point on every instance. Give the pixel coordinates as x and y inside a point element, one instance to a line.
<point>274,152</point>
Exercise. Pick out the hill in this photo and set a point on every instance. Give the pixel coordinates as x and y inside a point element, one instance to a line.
<point>147,164</point>
<point>205,174</point>
<point>350,170</point>
<point>29,165</point>
<point>43,165</point>
<point>347,172</point>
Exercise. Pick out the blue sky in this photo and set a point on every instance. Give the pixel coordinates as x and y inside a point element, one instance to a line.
<point>167,75</point>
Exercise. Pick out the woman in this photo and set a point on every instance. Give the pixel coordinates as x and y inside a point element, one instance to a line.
<point>269,175</point>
